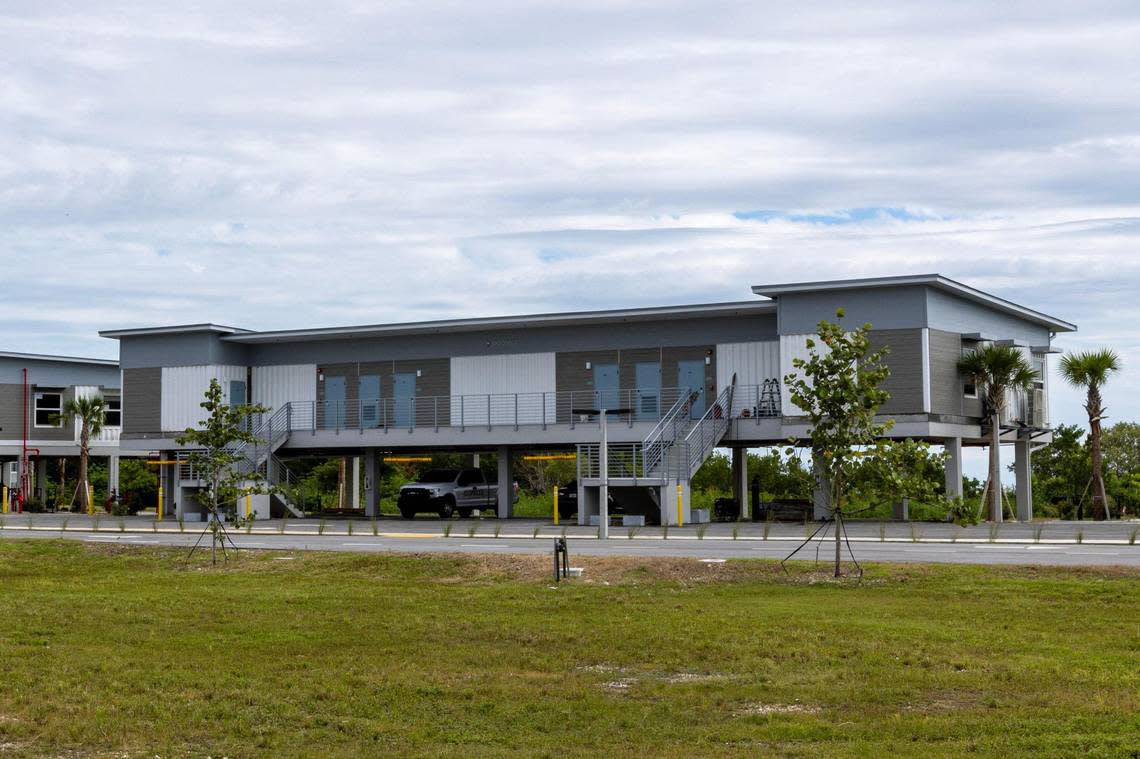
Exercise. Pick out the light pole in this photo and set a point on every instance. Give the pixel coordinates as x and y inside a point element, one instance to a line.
<point>603,466</point>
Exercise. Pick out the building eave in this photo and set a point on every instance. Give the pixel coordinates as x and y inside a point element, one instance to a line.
<point>739,308</point>
<point>58,359</point>
<point>921,280</point>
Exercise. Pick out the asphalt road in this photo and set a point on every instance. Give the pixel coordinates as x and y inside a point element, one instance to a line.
<point>712,547</point>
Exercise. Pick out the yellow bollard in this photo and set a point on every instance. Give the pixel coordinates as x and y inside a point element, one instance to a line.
<point>555,505</point>
<point>90,500</point>
<point>680,505</point>
<point>5,499</point>
<point>248,505</point>
<point>160,494</point>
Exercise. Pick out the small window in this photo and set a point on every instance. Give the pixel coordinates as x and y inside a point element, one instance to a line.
<point>48,407</point>
<point>113,417</point>
<point>969,388</point>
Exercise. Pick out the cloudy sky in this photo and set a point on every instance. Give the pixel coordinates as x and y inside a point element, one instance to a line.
<point>276,166</point>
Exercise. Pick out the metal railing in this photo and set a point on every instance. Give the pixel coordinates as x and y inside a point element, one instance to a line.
<point>628,461</point>
<point>757,402</point>
<point>667,432</point>
<point>480,411</point>
<point>708,432</point>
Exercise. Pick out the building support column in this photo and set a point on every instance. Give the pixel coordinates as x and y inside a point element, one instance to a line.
<point>506,495</point>
<point>821,494</point>
<point>113,476</point>
<point>40,489</point>
<point>354,482</point>
<point>953,447</point>
<point>740,480</point>
<point>371,483</point>
<point>1023,474</point>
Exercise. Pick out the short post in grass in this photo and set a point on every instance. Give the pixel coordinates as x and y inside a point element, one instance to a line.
<point>555,512</point>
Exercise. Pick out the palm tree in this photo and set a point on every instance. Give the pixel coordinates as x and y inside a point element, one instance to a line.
<point>90,412</point>
<point>997,368</point>
<point>1090,370</point>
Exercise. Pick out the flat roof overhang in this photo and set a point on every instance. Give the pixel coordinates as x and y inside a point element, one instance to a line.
<point>580,318</point>
<point>936,281</point>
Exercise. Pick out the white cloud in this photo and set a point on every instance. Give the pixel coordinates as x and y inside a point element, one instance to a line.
<point>281,165</point>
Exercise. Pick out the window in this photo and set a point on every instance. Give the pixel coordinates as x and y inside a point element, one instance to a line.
<point>48,406</point>
<point>113,417</point>
<point>970,389</point>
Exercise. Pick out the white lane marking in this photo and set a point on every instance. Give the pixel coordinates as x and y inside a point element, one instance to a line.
<point>713,561</point>
<point>374,543</point>
<point>482,545</point>
<point>1046,548</point>
<point>1092,553</point>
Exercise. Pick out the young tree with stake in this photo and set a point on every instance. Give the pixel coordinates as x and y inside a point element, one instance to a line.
<point>837,387</point>
<point>91,412</point>
<point>227,474</point>
<point>1090,370</point>
<point>997,369</point>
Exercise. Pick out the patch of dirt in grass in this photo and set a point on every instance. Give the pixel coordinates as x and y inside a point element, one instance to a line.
<point>758,709</point>
<point>946,702</point>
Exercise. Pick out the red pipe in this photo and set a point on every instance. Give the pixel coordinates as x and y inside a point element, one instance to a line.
<point>24,448</point>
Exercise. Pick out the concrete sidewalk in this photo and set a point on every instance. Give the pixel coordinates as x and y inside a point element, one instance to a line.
<point>1063,532</point>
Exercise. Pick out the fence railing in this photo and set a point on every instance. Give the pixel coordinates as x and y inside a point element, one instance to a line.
<point>627,461</point>
<point>706,433</point>
<point>481,411</point>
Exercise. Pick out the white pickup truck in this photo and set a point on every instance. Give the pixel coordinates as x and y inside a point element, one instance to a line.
<point>449,491</point>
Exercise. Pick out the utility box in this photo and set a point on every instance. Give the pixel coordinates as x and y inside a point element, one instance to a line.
<point>633,520</point>
<point>902,509</point>
<point>699,516</point>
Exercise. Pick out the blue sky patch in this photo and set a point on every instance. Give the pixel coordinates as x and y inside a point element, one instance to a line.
<point>846,216</point>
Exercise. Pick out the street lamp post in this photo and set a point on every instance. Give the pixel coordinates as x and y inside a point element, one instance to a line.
<point>603,465</point>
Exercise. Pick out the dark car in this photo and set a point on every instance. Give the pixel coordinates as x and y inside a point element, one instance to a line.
<point>568,501</point>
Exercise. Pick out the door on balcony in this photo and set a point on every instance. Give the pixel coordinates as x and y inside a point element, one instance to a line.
<point>334,402</point>
<point>691,378</point>
<point>404,399</point>
<point>606,388</point>
<point>648,397</point>
<point>369,394</point>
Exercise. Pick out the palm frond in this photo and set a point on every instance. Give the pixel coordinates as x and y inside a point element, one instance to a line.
<point>1090,368</point>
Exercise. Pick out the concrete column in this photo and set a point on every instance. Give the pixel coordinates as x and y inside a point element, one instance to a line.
<point>953,446</point>
<point>506,484</point>
<point>669,502</point>
<point>1023,473</point>
<point>40,490</point>
<point>821,494</point>
<point>740,480</point>
<point>354,482</point>
<point>113,476</point>
<point>371,483</point>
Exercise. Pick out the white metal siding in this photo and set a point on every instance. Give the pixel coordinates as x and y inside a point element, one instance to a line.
<point>527,374</point>
<point>753,363</point>
<point>274,386</point>
<point>791,348</point>
<point>107,434</point>
<point>183,389</point>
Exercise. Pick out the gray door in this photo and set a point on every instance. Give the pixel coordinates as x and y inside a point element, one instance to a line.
<point>648,396</point>
<point>404,399</point>
<point>606,393</point>
<point>237,393</point>
<point>334,402</point>
<point>691,377</point>
<point>369,394</point>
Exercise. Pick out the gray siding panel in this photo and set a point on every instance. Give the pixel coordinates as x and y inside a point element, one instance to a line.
<point>607,337</point>
<point>947,386</point>
<point>951,314</point>
<point>886,309</point>
<point>11,412</point>
<point>191,349</point>
<point>142,401</point>
<point>57,373</point>
<point>905,362</point>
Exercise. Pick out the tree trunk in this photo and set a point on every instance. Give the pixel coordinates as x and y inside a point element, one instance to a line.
<point>995,467</point>
<point>1099,498</point>
<point>84,437</point>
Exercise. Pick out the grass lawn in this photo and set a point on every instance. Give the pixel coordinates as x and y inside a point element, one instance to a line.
<point>123,652</point>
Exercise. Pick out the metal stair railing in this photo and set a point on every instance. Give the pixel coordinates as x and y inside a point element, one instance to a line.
<point>672,427</point>
<point>703,438</point>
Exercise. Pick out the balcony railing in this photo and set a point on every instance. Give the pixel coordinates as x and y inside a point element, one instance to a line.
<point>481,411</point>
